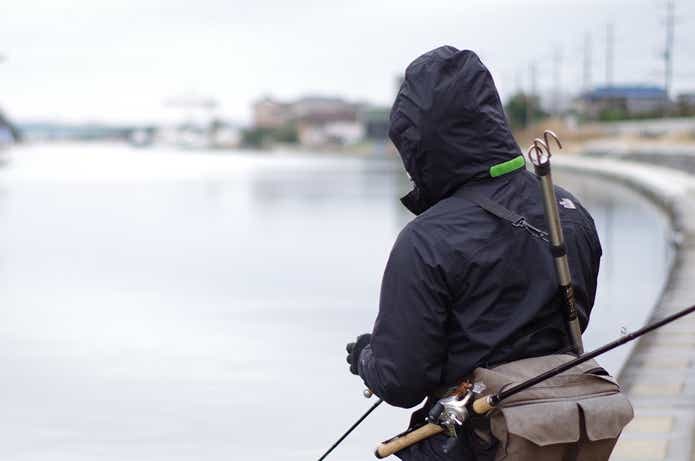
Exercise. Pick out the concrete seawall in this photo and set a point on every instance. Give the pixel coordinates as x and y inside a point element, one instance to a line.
<point>659,376</point>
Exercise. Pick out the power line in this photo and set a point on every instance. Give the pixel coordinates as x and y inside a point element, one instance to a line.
<point>519,80</point>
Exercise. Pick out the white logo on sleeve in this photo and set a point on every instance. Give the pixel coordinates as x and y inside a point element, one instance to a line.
<point>567,203</point>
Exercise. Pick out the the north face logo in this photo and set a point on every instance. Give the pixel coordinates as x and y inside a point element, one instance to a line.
<point>567,203</point>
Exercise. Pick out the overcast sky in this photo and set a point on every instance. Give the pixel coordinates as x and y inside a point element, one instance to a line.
<point>120,60</point>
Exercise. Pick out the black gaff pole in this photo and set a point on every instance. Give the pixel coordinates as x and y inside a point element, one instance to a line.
<point>352,428</point>
<point>541,164</point>
<point>485,404</point>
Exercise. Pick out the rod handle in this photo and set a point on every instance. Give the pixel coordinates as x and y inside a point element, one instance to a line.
<point>482,405</point>
<point>399,443</point>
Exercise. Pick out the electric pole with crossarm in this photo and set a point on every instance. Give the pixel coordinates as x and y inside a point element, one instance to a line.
<point>668,49</point>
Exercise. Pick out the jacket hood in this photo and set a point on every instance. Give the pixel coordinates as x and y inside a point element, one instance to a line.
<point>448,125</point>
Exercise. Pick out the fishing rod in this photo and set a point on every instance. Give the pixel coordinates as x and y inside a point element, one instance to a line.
<point>539,153</point>
<point>541,165</point>
<point>452,412</point>
<point>367,394</point>
<point>487,403</point>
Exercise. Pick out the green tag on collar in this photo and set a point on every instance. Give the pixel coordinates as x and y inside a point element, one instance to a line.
<point>507,167</point>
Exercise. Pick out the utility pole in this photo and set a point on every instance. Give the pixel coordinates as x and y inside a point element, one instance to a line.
<point>586,83</point>
<point>668,50</point>
<point>533,78</point>
<point>610,47</point>
<point>519,81</point>
<point>557,77</point>
<point>533,90</point>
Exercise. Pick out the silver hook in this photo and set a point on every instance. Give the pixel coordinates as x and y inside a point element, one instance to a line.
<point>542,155</point>
<point>534,153</point>
<point>539,141</point>
<point>550,134</point>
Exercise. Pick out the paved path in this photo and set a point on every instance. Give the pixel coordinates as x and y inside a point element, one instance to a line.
<point>660,374</point>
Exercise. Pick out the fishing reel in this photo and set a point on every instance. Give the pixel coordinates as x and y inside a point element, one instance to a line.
<point>452,412</point>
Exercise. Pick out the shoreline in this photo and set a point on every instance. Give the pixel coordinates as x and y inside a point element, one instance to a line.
<point>658,376</point>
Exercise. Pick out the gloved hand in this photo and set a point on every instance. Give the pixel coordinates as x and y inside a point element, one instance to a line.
<point>355,349</point>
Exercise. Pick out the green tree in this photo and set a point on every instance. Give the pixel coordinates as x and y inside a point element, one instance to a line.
<point>255,137</point>
<point>523,110</point>
<point>286,134</point>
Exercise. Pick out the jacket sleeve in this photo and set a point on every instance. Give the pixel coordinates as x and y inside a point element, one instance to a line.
<point>584,255</point>
<point>405,358</point>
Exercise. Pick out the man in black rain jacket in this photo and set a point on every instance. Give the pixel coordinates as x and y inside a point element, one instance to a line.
<point>463,288</point>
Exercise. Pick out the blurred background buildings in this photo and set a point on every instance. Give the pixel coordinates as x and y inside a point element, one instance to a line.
<point>193,195</point>
<point>640,48</point>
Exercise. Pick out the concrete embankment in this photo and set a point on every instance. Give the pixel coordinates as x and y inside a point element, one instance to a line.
<point>677,156</point>
<point>659,376</point>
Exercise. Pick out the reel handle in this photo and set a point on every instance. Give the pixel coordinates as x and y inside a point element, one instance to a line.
<point>398,443</point>
<point>482,405</point>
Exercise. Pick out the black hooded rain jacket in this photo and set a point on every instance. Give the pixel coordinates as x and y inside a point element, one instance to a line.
<point>463,288</point>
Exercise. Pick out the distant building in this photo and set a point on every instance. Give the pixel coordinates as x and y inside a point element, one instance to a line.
<point>326,121</point>
<point>687,99</point>
<point>318,120</point>
<point>624,101</point>
<point>375,121</point>
<point>224,134</point>
<point>270,113</point>
<point>323,121</point>
<point>330,134</point>
<point>194,123</point>
<point>686,104</point>
<point>324,109</point>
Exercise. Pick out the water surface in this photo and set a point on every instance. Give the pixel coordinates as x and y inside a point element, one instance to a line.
<point>194,306</point>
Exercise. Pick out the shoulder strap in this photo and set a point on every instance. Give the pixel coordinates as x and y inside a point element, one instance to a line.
<point>502,212</point>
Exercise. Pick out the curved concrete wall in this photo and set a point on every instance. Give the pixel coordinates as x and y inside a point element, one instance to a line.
<point>659,376</point>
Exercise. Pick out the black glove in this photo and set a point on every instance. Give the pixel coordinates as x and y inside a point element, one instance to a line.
<point>355,349</point>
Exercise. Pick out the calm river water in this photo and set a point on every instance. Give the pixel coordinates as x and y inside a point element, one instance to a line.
<point>170,306</point>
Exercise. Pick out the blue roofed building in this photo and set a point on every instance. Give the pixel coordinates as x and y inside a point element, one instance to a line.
<point>686,104</point>
<point>624,101</point>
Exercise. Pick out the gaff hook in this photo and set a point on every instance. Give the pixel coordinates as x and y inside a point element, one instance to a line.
<point>547,134</point>
<point>538,153</point>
